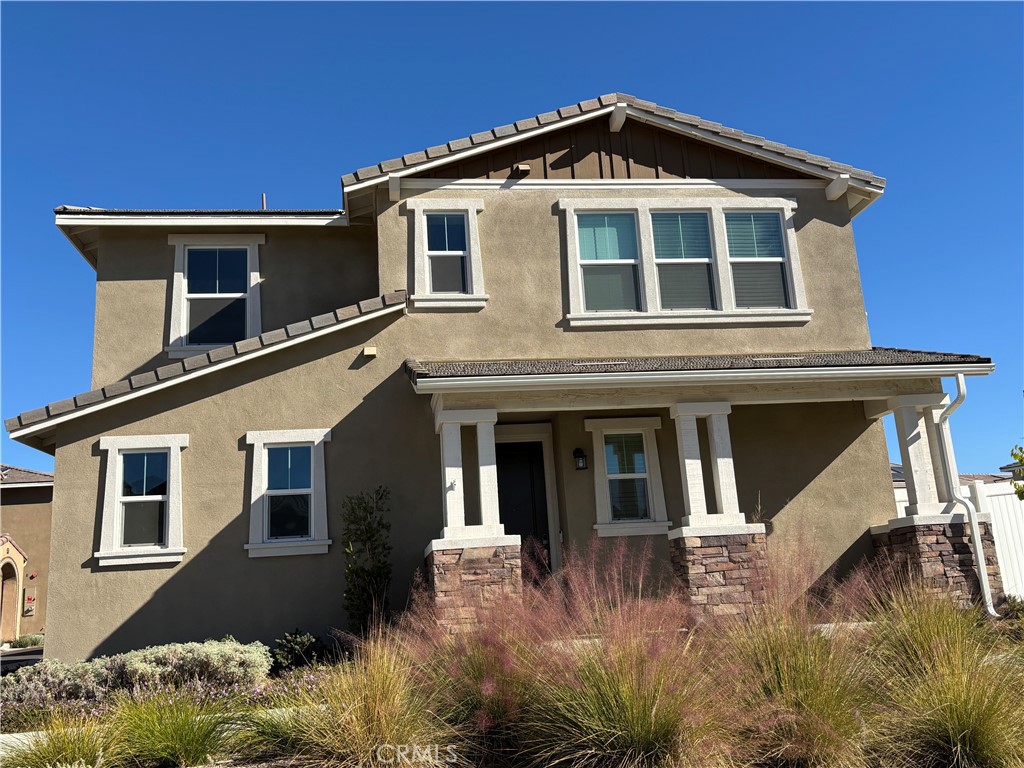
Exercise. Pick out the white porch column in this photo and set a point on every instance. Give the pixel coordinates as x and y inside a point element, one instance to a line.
<point>456,534</point>
<point>922,465</point>
<point>931,417</point>
<point>690,466</point>
<point>451,476</point>
<point>726,499</point>
<point>490,517</point>
<point>726,510</point>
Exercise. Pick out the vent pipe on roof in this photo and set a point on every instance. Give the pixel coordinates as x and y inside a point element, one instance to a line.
<point>264,198</point>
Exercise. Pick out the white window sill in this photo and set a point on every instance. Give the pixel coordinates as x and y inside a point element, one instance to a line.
<point>685,319</point>
<point>632,528</point>
<point>450,301</point>
<point>284,548</point>
<point>140,556</point>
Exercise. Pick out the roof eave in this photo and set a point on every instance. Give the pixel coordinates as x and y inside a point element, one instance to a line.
<point>541,382</point>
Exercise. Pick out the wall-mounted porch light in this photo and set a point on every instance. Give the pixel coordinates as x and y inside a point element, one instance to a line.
<point>580,458</point>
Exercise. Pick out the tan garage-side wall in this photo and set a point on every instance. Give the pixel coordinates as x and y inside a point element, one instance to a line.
<point>525,269</point>
<point>305,271</point>
<point>25,515</point>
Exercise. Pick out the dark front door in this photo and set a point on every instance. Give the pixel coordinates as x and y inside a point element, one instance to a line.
<point>522,497</point>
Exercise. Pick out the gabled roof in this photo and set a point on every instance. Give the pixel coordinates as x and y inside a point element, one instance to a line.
<point>633,107</point>
<point>10,476</point>
<point>33,422</point>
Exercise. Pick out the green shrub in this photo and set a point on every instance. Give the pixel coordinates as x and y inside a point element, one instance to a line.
<point>365,533</point>
<point>215,662</point>
<point>27,641</point>
<point>951,695</point>
<point>171,728</point>
<point>803,690</point>
<point>297,649</point>
<point>67,741</point>
<point>372,702</point>
<point>622,703</point>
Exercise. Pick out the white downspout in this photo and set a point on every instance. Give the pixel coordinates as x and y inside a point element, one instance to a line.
<point>953,491</point>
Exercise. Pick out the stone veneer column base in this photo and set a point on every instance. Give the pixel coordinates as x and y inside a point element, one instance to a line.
<point>723,572</point>
<point>465,581</point>
<point>939,551</point>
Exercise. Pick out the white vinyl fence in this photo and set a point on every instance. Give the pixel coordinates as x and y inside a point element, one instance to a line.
<point>1000,501</point>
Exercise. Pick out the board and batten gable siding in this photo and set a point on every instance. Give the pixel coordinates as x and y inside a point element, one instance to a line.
<point>590,150</point>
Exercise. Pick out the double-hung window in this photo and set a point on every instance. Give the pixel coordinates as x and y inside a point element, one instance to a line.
<point>609,260</point>
<point>143,498</point>
<point>683,261</point>
<point>288,499</point>
<point>447,252</point>
<point>627,477</point>
<point>757,257</point>
<point>142,508</point>
<point>448,265</point>
<point>289,495</point>
<point>683,254</point>
<point>215,299</point>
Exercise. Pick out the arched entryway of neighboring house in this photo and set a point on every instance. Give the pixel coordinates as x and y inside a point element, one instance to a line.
<point>12,569</point>
<point>9,613</point>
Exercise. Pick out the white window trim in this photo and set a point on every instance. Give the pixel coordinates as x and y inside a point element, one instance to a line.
<point>651,313</point>
<point>606,526</point>
<point>318,542</point>
<point>178,331</point>
<point>475,297</point>
<point>111,551</point>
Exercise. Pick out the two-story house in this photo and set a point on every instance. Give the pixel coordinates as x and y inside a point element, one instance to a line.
<point>612,319</point>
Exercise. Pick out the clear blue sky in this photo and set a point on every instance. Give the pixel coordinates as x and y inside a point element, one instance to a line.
<point>208,105</point>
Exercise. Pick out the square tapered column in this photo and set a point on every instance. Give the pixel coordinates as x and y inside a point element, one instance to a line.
<point>690,467</point>
<point>726,497</point>
<point>490,517</point>
<point>451,479</point>
<point>923,469</point>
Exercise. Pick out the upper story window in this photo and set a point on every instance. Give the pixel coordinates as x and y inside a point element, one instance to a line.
<point>679,262</point>
<point>609,260</point>
<point>288,497</point>
<point>447,252</point>
<point>215,293</point>
<point>448,268</point>
<point>142,513</point>
<point>682,252</point>
<point>757,258</point>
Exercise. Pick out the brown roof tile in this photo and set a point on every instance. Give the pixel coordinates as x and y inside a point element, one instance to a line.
<point>589,105</point>
<point>876,356</point>
<point>180,369</point>
<point>15,475</point>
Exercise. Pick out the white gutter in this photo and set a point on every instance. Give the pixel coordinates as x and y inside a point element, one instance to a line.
<point>953,491</point>
<point>660,378</point>
<point>100,219</point>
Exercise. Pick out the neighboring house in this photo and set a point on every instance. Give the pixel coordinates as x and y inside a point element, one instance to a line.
<point>612,318</point>
<point>25,499</point>
<point>899,481</point>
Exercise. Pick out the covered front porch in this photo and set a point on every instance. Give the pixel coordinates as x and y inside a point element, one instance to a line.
<point>709,463</point>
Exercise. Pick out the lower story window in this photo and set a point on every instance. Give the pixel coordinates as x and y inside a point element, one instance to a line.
<point>288,512</point>
<point>142,509</point>
<point>627,475</point>
<point>289,491</point>
<point>628,492</point>
<point>144,498</point>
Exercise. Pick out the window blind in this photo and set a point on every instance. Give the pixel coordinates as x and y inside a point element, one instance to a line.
<point>681,236</point>
<point>754,235</point>
<point>607,236</point>
<point>760,285</point>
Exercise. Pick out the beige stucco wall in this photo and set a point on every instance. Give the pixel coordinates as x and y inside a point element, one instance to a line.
<point>305,271</point>
<point>310,270</point>
<point>382,434</point>
<point>525,269</point>
<point>25,515</point>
